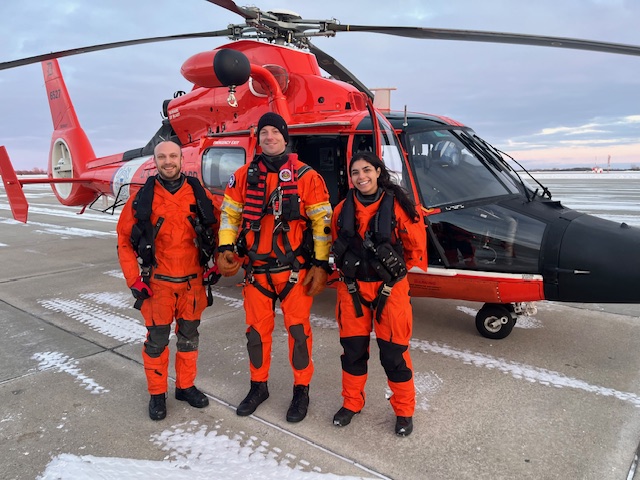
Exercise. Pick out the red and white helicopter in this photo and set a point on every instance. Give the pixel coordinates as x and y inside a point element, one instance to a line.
<point>491,237</point>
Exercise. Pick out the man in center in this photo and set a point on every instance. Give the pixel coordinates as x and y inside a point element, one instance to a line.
<point>276,216</point>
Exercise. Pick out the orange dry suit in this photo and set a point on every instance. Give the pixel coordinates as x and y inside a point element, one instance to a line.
<point>276,212</point>
<point>174,276</point>
<point>375,244</point>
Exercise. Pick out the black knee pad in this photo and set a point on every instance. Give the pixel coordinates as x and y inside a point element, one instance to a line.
<point>157,340</point>
<point>188,336</point>
<point>393,362</point>
<point>254,347</point>
<point>356,354</point>
<point>300,356</point>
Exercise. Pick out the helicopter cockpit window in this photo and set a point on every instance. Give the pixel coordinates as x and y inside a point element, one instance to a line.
<point>390,151</point>
<point>218,163</point>
<point>448,172</point>
<point>392,155</point>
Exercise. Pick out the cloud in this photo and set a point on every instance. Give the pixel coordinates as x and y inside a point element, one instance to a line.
<point>510,95</point>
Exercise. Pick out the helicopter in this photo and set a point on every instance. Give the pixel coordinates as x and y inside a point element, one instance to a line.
<point>492,237</point>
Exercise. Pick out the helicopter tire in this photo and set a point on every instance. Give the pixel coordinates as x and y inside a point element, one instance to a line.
<point>495,321</point>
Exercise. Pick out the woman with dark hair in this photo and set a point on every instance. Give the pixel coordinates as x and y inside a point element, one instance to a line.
<point>378,236</point>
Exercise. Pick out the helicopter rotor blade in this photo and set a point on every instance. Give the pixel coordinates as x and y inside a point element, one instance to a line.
<point>336,69</point>
<point>230,5</point>
<point>107,46</point>
<point>492,37</point>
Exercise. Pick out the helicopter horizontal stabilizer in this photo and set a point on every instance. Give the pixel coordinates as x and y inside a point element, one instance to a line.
<point>17,200</point>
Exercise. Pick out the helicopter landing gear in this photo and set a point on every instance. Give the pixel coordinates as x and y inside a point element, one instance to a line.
<point>496,320</point>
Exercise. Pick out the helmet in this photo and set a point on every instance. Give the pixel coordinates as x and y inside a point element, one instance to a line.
<point>447,152</point>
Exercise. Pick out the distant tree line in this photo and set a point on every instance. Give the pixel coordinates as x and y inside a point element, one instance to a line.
<point>585,169</point>
<point>33,171</point>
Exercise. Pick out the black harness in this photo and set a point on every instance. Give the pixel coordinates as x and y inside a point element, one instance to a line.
<point>376,257</point>
<point>143,233</point>
<point>284,205</point>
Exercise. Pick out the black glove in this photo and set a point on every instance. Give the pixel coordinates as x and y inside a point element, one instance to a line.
<point>211,276</point>
<point>140,290</point>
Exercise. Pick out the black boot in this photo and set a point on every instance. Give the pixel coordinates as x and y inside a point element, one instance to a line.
<point>158,407</point>
<point>192,395</point>
<point>343,417</point>
<point>299,404</point>
<point>258,394</point>
<point>404,426</point>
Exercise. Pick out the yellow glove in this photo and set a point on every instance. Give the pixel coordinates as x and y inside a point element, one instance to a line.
<point>227,263</point>
<point>316,279</point>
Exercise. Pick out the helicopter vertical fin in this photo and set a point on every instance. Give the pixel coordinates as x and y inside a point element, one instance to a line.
<point>70,150</point>
<point>17,200</point>
<point>62,112</point>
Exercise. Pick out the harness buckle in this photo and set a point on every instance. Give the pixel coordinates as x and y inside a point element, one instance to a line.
<point>255,226</point>
<point>386,290</point>
<point>293,277</point>
<point>276,204</point>
<point>352,287</point>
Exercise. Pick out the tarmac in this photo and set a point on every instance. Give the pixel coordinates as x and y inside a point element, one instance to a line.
<point>557,399</point>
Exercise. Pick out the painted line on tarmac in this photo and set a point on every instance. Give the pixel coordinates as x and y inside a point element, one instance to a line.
<point>52,229</point>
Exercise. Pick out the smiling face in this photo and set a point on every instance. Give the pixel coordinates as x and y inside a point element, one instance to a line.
<point>168,159</point>
<point>364,177</point>
<point>271,141</point>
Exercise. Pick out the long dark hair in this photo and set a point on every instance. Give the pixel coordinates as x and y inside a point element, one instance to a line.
<point>385,182</point>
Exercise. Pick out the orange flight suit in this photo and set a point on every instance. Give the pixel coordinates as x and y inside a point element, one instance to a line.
<point>176,283</point>
<point>296,305</point>
<point>393,331</point>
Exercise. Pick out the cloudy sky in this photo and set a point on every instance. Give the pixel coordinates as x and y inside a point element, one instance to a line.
<point>545,107</point>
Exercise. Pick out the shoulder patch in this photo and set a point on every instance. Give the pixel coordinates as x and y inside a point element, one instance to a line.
<point>232,181</point>
<point>285,175</point>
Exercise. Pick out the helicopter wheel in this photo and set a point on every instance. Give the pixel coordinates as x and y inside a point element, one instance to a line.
<point>496,320</point>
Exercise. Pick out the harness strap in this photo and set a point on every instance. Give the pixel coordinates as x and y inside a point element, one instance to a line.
<point>352,287</point>
<point>380,301</point>
<point>379,252</point>
<point>284,204</point>
<point>272,293</point>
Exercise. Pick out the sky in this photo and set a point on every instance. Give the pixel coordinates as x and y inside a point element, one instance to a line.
<point>548,108</point>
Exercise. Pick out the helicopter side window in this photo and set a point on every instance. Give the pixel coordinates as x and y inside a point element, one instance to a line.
<point>218,163</point>
<point>488,237</point>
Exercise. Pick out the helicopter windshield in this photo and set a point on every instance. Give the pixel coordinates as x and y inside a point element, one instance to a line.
<point>476,196</point>
<point>449,169</point>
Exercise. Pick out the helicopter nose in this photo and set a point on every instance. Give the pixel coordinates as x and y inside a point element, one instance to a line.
<point>593,260</point>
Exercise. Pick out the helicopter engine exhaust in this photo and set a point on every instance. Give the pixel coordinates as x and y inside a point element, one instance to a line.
<point>217,68</point>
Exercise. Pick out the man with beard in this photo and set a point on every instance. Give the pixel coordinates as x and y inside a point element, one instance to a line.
<point>165,237</point>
